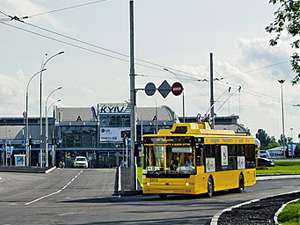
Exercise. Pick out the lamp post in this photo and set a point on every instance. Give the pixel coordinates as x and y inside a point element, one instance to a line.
<point>53,153</point>
<point>26,116</point>
<point>282,117</point>
<point>41,96</point>
<point>46,130</point>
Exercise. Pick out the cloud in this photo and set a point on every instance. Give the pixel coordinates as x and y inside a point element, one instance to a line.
<point>256,55</point>
<point>258,103</point>
<point>12,94</point>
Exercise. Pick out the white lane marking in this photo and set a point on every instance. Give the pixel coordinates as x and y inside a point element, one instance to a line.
<point>53,193</point>
<point>50,170</point>
<point>67,214</point>
<point>278,177</point>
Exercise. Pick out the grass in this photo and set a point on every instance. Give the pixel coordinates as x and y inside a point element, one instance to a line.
<point>290,214</point>
<point>281,167</point>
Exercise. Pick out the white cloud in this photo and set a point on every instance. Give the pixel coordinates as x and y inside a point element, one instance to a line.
<point>12,94</point>
<point>259,101</point>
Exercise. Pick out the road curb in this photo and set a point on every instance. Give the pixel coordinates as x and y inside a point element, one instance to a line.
<point>50,170</point>
<point>277,174</point>
<point>214,220</point>
<point>277,177</point>
<point>281,209</point>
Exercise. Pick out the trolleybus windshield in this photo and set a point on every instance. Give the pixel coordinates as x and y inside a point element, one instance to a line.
<point>169,155</point>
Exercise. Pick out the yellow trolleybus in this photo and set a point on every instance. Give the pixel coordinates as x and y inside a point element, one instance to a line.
<point>192,158</point>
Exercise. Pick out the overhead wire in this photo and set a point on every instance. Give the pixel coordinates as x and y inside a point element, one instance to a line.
<point>81,47</point>
<point>66,8</point>
<point>161,67</point>
<point>109,50</point>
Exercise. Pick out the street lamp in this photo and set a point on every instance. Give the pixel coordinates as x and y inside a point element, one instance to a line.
<point>41,96</point>
<point>53,153</point>
<point>282,117</point>
<point>46,131</point>
<point>53,103</point>
<point>26,116</point>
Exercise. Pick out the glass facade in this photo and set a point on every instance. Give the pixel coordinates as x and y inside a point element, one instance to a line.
<point>115,120</point>
<point>78,136</point>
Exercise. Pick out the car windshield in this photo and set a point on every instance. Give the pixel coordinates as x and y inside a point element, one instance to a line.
<point>80,159</point>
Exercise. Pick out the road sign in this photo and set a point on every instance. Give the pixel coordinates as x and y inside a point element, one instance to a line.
<point>150,89</point>
<point>177,88</point>
<point>164,89</point>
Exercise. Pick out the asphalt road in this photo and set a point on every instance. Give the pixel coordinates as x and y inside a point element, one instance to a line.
<point>83,197</point>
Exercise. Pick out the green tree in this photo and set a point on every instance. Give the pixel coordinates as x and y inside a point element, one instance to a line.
<point>263,137</point>
<point>287,20</point>
<point>283,138</point>
<point>273,143</point>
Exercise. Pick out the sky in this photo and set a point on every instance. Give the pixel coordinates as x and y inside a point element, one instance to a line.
<point>171,33</point>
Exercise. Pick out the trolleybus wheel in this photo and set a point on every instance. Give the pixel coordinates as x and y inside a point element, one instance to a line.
<point>210,187</point>
<point>241,188</point>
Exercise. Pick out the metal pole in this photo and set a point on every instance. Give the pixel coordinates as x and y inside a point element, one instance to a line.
<point>46,135</point>
<point>27,138</point>
<point>212,110</point>
<point>26,110</point>
<point>41,96</point>
<point>46,122</point>
<point>132,93</point>
<point>41,116</point>
<point>183,107</point>
<point>282,118</point>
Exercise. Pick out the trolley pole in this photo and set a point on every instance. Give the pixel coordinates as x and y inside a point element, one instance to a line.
<point>132,95</point>
<point>212,101</point>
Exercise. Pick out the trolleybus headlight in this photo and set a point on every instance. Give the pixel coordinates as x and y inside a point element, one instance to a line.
<point>148,184</point>
<point>187,184</point>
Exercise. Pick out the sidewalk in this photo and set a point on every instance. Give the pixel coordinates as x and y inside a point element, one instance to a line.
<point>26,169</point>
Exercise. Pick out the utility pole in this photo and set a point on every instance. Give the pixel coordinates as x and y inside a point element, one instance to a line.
<point>282,118</point>
<point>212,110</point>
<point>132,94</point>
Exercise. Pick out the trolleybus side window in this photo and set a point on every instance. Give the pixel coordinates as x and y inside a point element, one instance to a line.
<point>210,151</point>
<point>250,156</point>
<point>232,157</point>
<point>217,157</point>
<point>199,155</point>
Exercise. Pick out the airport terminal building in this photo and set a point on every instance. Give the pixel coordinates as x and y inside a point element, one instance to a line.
<point>101,133</point>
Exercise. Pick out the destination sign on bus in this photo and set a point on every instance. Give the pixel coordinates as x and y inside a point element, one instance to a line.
<point>182,149</point>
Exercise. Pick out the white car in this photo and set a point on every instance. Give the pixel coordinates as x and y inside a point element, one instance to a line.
<point>263,154</point>
<point>81,161</point>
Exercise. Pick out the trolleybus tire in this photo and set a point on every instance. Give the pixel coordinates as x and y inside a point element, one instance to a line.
<point>210,187</point>
<point>241,187</point>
